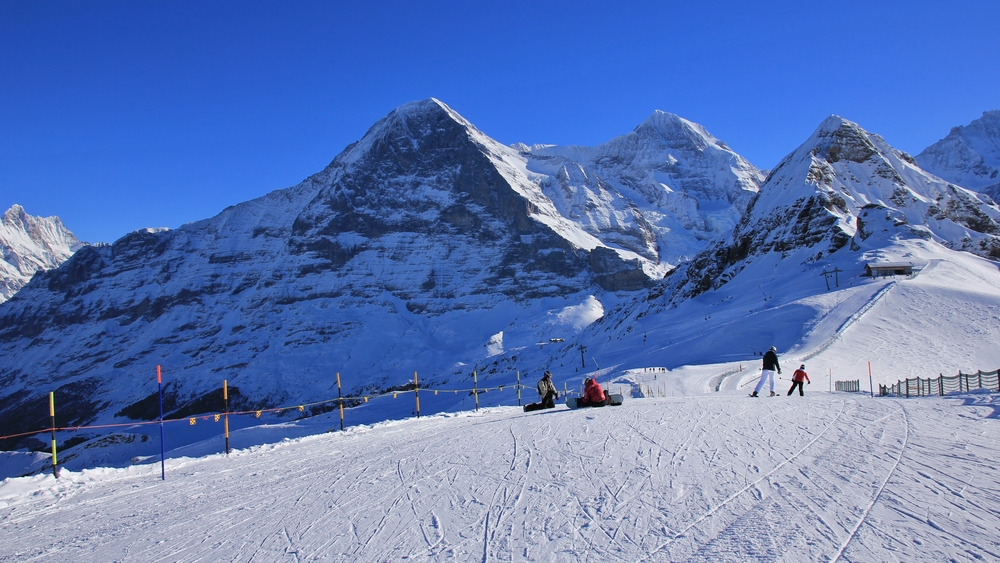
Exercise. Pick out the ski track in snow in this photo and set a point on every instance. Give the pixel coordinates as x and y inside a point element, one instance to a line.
<point>827,477</point>
<point>868,508</point>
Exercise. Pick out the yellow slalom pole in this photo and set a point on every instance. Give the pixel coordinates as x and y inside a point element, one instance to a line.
<point>52,415</point>
<point>416,393</point>
<point>340,401</point>
<point>225,401</point>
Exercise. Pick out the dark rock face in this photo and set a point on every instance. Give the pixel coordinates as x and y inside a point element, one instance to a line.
<point>436,183</point>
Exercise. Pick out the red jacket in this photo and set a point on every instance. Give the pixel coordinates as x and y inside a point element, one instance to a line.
<point>593,393</point>
<point>800,375</point>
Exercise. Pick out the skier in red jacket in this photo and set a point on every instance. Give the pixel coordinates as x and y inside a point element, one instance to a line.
<point>798,377</point>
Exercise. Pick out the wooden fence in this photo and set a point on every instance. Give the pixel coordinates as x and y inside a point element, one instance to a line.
<point>848,386</point>
<point>943,385</point>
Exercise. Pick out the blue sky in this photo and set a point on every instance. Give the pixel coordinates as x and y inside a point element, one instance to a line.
<point>118,115</point>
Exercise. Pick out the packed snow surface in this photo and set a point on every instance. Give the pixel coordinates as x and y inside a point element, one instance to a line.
<point>825,477</point>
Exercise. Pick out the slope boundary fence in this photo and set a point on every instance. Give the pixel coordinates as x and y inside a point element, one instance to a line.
<point>341,403</point>
<point>943,385</point>
<point>852,386</point>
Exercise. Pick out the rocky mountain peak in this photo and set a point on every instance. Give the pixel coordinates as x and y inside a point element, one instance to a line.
<point>415,126</point>
<point>814,202</point>
<point>689,185</point>
<point>969,155</point>
<point>838,139</point>
<point>29,244</point>
<point>676,132</point>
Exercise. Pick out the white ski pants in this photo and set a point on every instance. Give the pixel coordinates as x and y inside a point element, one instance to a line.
<point>765,375</point>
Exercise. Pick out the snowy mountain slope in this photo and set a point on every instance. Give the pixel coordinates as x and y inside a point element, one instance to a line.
<point>969,156</point>
<point>687,184</point>
<point>944,319</point>
<point>831,477</point>
<point>841,200</point>
<point>412,250</point>
<point>29,244</point>
<point>831,194</point>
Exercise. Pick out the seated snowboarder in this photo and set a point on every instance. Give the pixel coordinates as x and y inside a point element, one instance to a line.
<point>547,391</point>
<point>593,394</point>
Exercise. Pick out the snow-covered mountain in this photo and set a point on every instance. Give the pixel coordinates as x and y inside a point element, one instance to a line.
<point>836,190</point>
<point>424,246</point>
<point>29,244</point>
<point>969,156</point>
<point>427,246</point>
<point>792,272</point>
<point>689,185</point>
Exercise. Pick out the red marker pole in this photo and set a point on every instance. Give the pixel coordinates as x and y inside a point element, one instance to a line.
<point>340,401</point>
<point>52,415</point>
<point>416,393</point>
<point>870,386</point>
<point>163,455</point>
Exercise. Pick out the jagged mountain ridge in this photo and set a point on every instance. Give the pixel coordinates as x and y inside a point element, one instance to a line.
<point>29,244</point>
<point>969,155</point>
<point>832,193</point>
<point>420,238</point>
<point>690,186</point>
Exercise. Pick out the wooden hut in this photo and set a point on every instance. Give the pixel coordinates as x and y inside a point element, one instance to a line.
<point>886,269</point>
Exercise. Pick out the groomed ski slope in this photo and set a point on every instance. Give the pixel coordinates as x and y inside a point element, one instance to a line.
<point>827,477</point>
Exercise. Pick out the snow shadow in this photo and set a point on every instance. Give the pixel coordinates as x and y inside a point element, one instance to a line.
<point>984,398</point>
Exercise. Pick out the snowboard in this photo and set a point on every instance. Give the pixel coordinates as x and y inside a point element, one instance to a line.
<point>616,400</point>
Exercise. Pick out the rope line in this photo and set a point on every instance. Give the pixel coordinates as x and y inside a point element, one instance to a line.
<point>258,412</point>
